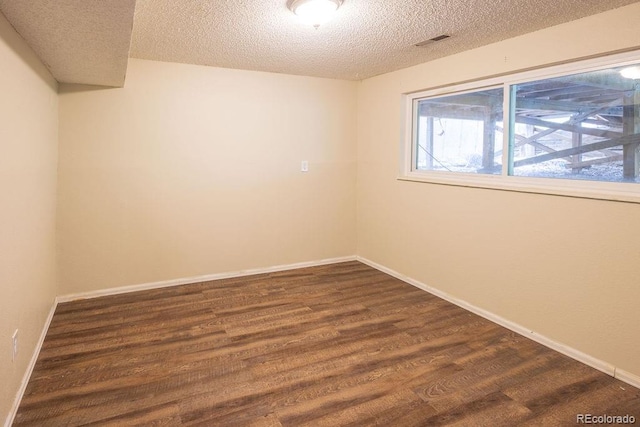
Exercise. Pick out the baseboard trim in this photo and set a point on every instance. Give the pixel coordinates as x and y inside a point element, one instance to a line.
<point>32,363</point>
<point>197,279</point>
<point>595,363</point>
<point>628,377</point>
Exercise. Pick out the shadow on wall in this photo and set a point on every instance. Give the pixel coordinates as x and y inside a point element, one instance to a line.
<point>77,88</point>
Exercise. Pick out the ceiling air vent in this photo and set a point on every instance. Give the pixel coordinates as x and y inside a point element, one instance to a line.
<point>432,40</point>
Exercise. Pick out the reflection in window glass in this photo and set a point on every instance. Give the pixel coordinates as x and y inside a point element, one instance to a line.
<point>582,126</point>
<point>460,133</point>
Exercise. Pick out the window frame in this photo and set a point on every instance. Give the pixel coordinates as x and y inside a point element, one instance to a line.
<point>591,189</point>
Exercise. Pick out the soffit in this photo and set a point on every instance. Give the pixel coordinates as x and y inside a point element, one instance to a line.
<point>80,41</point>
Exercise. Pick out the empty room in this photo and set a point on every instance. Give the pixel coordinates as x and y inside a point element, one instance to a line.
<point>319,212</point>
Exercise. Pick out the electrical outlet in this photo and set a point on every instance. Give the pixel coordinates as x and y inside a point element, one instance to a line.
<point>14,345</point>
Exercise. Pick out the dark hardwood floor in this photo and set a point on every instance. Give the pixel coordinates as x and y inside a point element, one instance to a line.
<point>338,345</point>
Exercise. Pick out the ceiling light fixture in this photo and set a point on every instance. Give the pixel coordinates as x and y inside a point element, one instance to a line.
<point>314,12</point>
<point>631,72</point>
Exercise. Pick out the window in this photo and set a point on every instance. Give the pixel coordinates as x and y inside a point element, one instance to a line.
<point>460,133</point>
<point>581,126</point>
<point>561,131</point>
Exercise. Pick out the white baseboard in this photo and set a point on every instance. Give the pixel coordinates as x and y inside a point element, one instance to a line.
<point>628,377</point>
<point>198,279</point>
<point>598,364</point>
<point>32,363</point>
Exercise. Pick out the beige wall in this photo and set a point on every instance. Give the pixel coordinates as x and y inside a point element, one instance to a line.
<point>28,147</point>
<point>566,268</point>
<point>193,170</point>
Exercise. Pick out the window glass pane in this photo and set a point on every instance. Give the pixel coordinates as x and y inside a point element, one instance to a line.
<point>582,126</point>
<point>460,133</point>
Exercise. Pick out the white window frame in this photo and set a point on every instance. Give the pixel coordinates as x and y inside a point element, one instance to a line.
<point>617,191</point>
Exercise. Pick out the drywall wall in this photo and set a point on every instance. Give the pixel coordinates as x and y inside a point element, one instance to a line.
<point>192,170</point>
<point>28,143</point>
<point>565,268</point>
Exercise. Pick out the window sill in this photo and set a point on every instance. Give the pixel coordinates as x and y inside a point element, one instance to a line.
<point>556,187</point>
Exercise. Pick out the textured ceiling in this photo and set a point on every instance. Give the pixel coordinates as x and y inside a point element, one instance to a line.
<point>366,38</point>
<point>80,41</point>
<point>89,41</point>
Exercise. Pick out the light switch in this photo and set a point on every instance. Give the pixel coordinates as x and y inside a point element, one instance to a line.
<point>304,166</point>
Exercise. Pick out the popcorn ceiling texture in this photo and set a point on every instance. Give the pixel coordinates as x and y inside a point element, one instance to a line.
<point>87,41</point>
<point>366,38</point>
<point>80,41</point>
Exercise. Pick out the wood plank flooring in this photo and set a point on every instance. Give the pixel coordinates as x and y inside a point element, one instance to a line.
<point>338,345</point>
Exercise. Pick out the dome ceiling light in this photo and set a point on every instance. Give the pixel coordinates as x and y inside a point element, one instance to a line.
<point>314,12</point>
